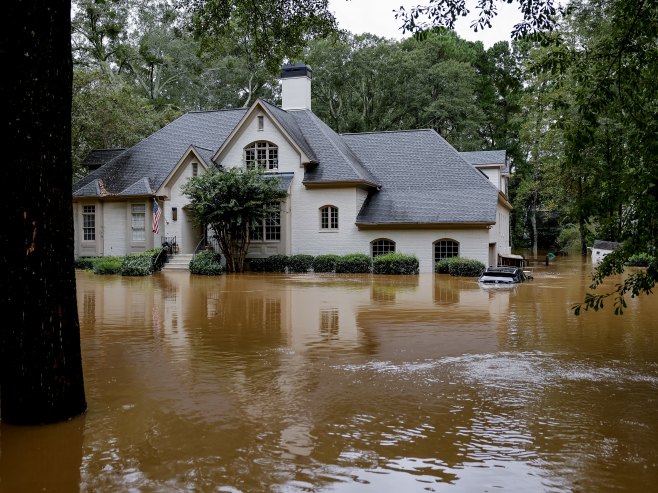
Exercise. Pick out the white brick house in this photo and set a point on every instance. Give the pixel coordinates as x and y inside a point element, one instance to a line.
<point>404,191</point>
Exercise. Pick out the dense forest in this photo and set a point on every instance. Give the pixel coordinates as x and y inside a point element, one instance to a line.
<point>580,137</point>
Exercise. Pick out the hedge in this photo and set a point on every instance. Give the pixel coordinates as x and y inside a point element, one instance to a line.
<point>206,263</point>
<point>354,263</point>
<point>140,264</point>
<point>395,263</point>
<point>276,263</point>
<point>325,263</point>
<point>640,260</point>
<point>107,265</point>
<point>457,266</point>
<point>300,263</point>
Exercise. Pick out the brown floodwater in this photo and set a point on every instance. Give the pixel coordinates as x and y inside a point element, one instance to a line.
<point>332,383</point>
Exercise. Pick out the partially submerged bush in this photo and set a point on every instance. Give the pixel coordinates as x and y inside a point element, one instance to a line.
<point>138,264</point>
<point>300,263</point>
<point>457,266</point>
<point>276,263</point>
<point>443,265</point>
<point>206,263</point>
<point>107,265</point>
<point>325,263</point>
<point>86,263</point>
<point>354,263</point>
<point>257,264</point>
<point>395,263</point>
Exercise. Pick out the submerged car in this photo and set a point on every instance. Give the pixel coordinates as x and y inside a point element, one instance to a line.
<point>503,275</point>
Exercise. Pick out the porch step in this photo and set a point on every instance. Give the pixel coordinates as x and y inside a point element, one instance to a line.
<point>178,261</point>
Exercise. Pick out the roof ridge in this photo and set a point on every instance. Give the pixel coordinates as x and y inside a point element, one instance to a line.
<point>389,131</point>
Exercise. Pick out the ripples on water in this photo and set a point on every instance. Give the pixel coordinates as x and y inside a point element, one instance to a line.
<point>351,384</point>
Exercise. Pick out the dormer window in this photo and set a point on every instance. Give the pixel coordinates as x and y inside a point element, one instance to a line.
<point>263,155</point>
<point>195,169</point>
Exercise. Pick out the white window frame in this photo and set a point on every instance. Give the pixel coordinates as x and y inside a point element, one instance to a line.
<point>138,223</point>
<point>329,218</point>
<point>262,154</point>
<point>89,223</point>
<point>382,246</point>
<point>268,230</point>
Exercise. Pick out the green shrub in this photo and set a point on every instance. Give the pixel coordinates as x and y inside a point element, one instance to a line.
<point>86,263</point>
<point>325,263</point>
<point>640,260</point>
<point>395,263</point>
<point>353,263</point>
<point>443,265</point>
<point>300,263</point>
<point>276,263</point>
<point>137,264</point>
<point>257,264</point>
<point>464,267</point>
<point>206,263</point>
<point>107,265</point>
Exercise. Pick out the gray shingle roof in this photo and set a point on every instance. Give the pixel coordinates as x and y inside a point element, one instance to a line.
<point>336,161</point>
<point>606,245</point>
<point>424,180</point>
<point>154,157</point>
<point>483,158</point>
<point>98,157</point>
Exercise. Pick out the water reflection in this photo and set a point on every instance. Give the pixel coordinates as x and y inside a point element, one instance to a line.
<point>355,383</point>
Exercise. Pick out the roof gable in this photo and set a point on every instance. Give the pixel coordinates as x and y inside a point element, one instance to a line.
<point>157,155</point>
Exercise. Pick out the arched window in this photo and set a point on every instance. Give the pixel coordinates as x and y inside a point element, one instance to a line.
<point>329,217</point>
<point>261,154</point>
<point>445,248</point>
<point>382,246</point>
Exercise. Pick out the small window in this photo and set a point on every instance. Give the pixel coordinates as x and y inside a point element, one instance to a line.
<point>329,217</point>
<point>445,249</point>
<point>382,247</point>
<point>195,169</point>
<point>262,154</point>
<point>174,213</point>
<point>138,222</point>
<point>89,223</point>
<point>261,123</point>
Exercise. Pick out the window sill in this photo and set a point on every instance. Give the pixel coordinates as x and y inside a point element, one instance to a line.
<point>336,230</point>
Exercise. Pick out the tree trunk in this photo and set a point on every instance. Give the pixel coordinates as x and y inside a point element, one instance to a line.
<point>41,378</point>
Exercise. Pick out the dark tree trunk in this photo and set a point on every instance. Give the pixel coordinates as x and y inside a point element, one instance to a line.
<point>41,377</point>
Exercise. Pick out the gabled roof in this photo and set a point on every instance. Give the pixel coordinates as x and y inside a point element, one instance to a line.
<point>154,157</point>
<point>424,181</point>
<point>487,158</point>
<point>336,160</point>
<point>606,245</point>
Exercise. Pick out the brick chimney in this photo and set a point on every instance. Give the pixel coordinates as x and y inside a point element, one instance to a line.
<point>296,87</point>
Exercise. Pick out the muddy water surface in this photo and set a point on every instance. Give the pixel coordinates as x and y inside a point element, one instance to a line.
<point>304,383</point>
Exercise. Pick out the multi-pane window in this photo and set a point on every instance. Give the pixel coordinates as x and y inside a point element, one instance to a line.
<point>262,154</point>
<point>89,222</point>
<point>138,222</point>
<point>268,229</point>
<point>382,247</point>
<point>445,249</point>
<point>329,217</point>
<point>195,169</point>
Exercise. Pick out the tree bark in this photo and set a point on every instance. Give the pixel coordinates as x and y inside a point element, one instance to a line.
<point>41,379</point>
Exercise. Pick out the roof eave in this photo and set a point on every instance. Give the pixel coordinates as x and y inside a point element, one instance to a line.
<point>424,225</point>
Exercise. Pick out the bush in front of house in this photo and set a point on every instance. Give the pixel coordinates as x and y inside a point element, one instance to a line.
<point>354,263</point>
<point>395,263</point>
<point>640,260</point>
<point>206,263</point>
<point>443,265</point>
<point>86,263</point>
<point>107,265</point>
<point>325,263</point>
<point>458,266</point>
<point>300,263</point>
<point>257,264</point>
<point>276,263</point>
<point>137,264</point>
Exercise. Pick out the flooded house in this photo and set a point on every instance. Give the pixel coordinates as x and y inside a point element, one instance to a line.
<point>375,192</point>
<point>601,248</point>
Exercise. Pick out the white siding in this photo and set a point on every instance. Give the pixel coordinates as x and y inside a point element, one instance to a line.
<point>183,228</point>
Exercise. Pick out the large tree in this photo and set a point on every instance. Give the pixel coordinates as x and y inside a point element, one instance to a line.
<point>232,203</point>
<point>41,378</point>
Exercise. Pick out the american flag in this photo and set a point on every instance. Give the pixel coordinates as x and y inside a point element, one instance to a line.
<point>157,212</point>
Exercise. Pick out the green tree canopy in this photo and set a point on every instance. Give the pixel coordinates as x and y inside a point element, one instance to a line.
<point>232,202</point>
